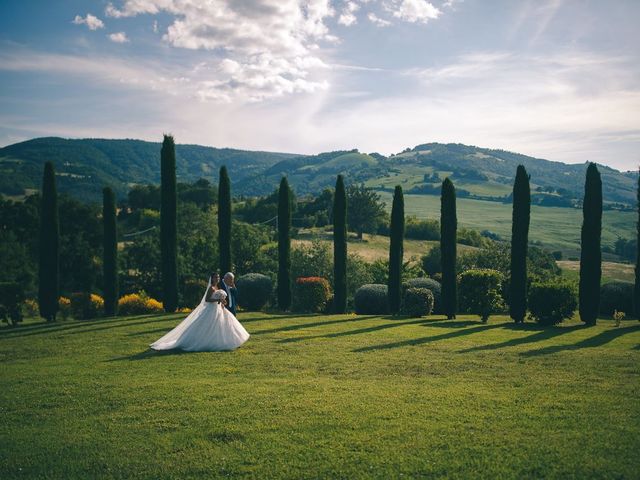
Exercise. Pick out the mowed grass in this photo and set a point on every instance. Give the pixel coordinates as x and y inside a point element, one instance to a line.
<point>556,228</point>
<point>322,397</point>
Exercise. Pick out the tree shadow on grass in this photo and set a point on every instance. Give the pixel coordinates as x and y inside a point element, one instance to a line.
<point>358,331</point>
<point>300,326</point>
<point>433,338</point>
<point>596,341</point>
<point>102,324</point>
<point>543,333</point>
<point>149,353</point>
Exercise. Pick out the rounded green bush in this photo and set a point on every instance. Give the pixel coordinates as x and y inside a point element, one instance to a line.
<point>429,284</point>
<point>311,294</point>
<point>616,296</point>
<point>479,292</point>
<point>418,302</point>
<point>192,292</point>
<point>552,302</point>
<point>371,299</point>
<point>254,290</point>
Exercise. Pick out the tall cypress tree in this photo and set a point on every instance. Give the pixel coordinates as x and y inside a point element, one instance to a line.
<point>340,247</point>
<point>224,220</point>
<point>519,242</point>
<point>448,240</point>
<point>396,248</point>
<point>284,245</point>
<point>168,225</point>
<point>590,253</point>
<point>109,252</point>
<point>49,247</point>
<point>636,290</point>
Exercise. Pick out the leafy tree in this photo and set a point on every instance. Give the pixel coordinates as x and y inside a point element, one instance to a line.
<point>284,246</point>
<point>168,225</point>
<point>49,247</point>
<point>396,251</point>
<point>590,254</point>
<point>366,210</point>
<point>480,292</point>
<point>110,252</point>
<point>636,290</point>
<point>448,226</point>
<point>144,196</point>
<point>246,242</point>
<point>142,261</point>
<point>340,247</point>
<point>224,221</point>
<point>519,242</point>
<point>201,193</point>
<point>80,245</point>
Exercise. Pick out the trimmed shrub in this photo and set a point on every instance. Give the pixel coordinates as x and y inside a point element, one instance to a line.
<point>11,300</point>
<point>64,307</point>
<point>616,296</point>
<point>138,304</point>
<point>550,303</point>
<point>417,302</point>
<point>254,290</point>
<point>371,299</point>
<point>311,294</point>
<point>86,305</point>
<point>479,292</point>
<point>192,292</point>
<point>428,283</point>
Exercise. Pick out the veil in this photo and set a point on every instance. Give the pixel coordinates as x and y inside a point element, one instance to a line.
<point>170,338</point>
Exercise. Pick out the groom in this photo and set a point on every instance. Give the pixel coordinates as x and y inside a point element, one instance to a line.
<point>228,285</point>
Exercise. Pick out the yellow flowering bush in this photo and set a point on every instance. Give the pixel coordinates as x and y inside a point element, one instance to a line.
<point>138,304</point>
<point>85,306</point>
<point>64,305</point>
<point>31,308</point>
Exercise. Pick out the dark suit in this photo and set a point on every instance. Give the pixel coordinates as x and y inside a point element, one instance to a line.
<point>231,296</point>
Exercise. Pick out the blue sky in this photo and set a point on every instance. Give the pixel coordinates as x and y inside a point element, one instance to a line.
<point>557,79</point>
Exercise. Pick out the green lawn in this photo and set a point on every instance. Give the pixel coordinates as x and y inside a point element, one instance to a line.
<point>556,228</point>
<point>322,397</point>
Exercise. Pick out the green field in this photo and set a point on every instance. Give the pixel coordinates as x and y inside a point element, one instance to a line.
<point>556,228</point>
<point>322,397</point>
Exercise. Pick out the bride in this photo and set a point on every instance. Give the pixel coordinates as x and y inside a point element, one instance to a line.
<point>210,327</point>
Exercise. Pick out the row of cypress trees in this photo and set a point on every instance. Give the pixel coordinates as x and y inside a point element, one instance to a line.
<point>590,261</point>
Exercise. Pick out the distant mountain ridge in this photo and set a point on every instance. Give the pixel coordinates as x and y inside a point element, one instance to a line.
<point>84,166</point>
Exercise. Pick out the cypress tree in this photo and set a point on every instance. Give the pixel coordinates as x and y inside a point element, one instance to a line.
<point>110,252</point>
<point>519,242</point>
<point>396,250</point>
<point>340,247</point>
<point>49,247</point>
<point>636,290</point>
<point>448,239</point>
<point>284,245</point>
<point>168,225</point>
<point>590,254</point>
<point>224,220</point>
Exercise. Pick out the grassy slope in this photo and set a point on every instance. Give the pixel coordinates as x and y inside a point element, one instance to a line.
<point>322,397</point>
<point>557,228</point>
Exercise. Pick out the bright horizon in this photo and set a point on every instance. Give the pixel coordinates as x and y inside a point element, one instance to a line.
<point>557,79</point>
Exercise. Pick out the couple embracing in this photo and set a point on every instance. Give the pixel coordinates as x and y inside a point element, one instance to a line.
<point>211,326</point>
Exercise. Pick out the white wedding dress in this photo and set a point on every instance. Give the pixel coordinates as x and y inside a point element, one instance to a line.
<point>210,327</point>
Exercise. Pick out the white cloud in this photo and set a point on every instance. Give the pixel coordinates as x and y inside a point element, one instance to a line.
<point>347,17</point>
<point>265,38</point>
<point>155,26</point>
<point>91,21</point>
<point>413,11</point>
<point>377,21</point>
<point>119,37</point>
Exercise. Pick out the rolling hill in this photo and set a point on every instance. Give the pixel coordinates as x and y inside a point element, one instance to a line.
<point>84,166</point>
